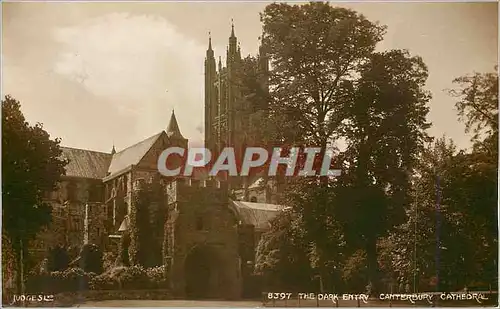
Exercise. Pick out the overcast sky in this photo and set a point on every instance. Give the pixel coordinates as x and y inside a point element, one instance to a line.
<point>101,73</point>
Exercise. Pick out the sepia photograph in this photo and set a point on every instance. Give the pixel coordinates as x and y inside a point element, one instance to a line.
<point>249,154</point>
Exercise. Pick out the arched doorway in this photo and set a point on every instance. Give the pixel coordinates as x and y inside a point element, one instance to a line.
<point>202,271</point>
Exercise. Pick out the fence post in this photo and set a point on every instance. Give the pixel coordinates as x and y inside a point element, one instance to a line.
<point>359,304</point>
<point>298,299</point>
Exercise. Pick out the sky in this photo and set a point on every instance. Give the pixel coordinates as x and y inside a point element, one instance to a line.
<point>104,74</point>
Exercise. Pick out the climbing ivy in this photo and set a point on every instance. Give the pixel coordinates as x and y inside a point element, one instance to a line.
<point>147,221</point>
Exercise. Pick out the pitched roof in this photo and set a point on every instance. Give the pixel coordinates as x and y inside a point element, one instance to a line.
<point>131,155</point>
<point>86,163</point>
<point>257,214</point>
<point>173,128</point>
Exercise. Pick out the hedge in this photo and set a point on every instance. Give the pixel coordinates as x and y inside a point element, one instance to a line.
<point>131,278</point>
<point>69,280</point>
<point>118,278</point>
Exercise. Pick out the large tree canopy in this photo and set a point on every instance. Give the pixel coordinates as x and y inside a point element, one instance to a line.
<point>315,51</point>
<point>477,104</point>
<point>31,167</point>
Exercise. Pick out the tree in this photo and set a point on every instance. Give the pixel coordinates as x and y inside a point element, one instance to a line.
<point>321,233</point>
<point>414,250</point>
<point>476,173</point>
<point>31,166</point>
<point>315,51</point>
<point>477,104</point>
<point>354,271</point>
<point>281,257</point>
<point>327,84</point>
<point>451,222</point>
<point>462,232</point>
<point>385,131</point>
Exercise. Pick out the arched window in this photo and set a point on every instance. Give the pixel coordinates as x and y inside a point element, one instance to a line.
<point>253,199</point>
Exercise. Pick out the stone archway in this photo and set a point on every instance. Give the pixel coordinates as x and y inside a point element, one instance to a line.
<point>204,273</point>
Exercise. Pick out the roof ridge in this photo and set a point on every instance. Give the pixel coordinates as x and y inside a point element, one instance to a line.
<point>83,149</point>
<point>157,136</point>
<point>139,142</point>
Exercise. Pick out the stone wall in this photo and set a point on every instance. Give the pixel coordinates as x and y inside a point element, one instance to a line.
<point>205,220</point>
<point>68,213</point>
<point>94,223</point>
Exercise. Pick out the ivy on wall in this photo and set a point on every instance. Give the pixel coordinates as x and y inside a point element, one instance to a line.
<point>147,222</point>
<point>123,258</point>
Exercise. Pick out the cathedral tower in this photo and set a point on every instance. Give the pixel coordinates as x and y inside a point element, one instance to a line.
<point>226,112</point>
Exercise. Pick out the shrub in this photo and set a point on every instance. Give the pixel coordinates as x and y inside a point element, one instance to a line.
<point>109,261</point>
<point>156,277</point>
<point>91,259</point>
<point>130,278</point>
<point>104,282</point>
<point>134,278</point>
<point>70,280</point>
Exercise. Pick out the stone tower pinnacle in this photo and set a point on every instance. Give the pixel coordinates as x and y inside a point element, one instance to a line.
<point>173,127</point>
<point>210,92</point>
<point>233,41</point>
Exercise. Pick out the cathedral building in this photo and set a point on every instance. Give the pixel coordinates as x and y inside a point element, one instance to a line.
<point>212,228</point>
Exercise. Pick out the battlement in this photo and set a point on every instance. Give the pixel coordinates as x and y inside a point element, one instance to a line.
<point>189,189</point>
<point>206,183</point>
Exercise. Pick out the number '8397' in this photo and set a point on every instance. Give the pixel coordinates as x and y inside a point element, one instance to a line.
<point>279,295</point>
